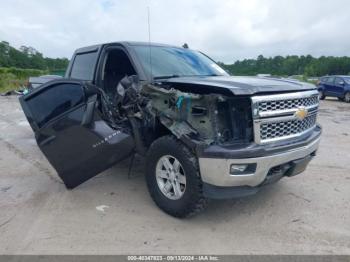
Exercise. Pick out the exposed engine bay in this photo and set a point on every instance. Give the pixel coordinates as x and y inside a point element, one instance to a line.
<point>151,110</point>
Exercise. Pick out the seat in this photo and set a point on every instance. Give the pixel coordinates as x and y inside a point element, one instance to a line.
<point>111,81</point>
<point>117,67</point>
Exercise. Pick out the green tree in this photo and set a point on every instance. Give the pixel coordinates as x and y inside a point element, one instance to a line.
<point>291,65</point>
<point>29,57</point>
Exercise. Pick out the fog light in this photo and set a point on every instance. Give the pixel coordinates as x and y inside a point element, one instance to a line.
<point>237,169</point>
<point>242,169</point>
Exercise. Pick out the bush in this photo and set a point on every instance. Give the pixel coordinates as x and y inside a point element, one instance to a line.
<point>13,78</point>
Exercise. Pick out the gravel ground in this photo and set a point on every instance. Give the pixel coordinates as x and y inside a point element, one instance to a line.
<point>113,214</point>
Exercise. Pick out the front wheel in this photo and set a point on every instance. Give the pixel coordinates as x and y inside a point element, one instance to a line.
<point>173,180</point>
<point>321,95</point>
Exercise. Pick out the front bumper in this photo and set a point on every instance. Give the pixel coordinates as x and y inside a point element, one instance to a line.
<point>215,172</point>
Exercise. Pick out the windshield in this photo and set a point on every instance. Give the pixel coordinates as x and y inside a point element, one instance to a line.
<point>175,62</point>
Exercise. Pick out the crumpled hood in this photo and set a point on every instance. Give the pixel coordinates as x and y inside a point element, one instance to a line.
<point>242,85</point>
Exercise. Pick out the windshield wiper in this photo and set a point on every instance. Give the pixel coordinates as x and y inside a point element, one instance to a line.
<point>209,75</point>
<point>174,76</point>
<point>165,77</point>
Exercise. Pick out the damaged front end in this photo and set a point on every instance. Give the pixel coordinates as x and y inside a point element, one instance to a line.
<point>202,118</point>
<point>220,130</point>
<point>199,120</point>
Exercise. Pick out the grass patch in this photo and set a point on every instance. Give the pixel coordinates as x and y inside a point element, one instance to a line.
<point>14,78</point>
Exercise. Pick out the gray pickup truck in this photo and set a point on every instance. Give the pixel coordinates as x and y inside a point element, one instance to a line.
<point>204,134</point>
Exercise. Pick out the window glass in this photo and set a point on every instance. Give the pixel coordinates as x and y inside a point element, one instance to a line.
<point>330,79</point>
<point>347,80</point>
<point>338,80</point>
<point>164,61</point>
<point>83,66</point>
<point>324,79</point>
<point>54,101</point>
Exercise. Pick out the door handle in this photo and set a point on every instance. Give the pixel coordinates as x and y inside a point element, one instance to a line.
<point>48,140</point>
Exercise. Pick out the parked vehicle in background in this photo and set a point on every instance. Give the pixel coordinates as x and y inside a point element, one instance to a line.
<point>35,82</point>
<point>320,80</point>
<point>335,86</point>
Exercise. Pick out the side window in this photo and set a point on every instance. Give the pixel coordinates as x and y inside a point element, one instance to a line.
<point>54,101</point>
<point>83,66</point>
<point>330,80</point>
<point>338,81</point>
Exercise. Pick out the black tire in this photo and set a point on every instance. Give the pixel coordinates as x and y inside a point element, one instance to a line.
<point>341,98</point>
<point>192,200</point>
<point>347,97</point>
<point>321,95</point>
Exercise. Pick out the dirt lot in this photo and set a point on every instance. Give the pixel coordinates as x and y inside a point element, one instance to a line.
<point>309,213</point>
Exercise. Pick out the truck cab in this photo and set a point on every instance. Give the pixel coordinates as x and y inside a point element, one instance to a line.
<point>204,134</point>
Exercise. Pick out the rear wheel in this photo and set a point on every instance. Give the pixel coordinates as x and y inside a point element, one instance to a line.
<point>347,97</point>
<point>173,179</point>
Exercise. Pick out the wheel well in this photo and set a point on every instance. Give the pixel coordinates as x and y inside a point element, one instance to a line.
<point>161,130</point>
<point>153,133</point>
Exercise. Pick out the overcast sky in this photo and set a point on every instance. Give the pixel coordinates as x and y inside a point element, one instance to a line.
<point>225,30</point>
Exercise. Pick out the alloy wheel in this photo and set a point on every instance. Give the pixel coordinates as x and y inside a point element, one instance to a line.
<point>171,178</point>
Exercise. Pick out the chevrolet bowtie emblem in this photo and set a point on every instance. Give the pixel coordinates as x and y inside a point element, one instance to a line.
<point>301,113</point>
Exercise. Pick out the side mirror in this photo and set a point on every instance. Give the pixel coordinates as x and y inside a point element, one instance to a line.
<point>89,111</point>
<point>91,90</point>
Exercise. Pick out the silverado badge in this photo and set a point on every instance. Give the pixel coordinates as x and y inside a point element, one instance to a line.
<point>301,113</point>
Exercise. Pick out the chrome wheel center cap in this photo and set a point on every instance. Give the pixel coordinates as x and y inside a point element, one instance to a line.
<point>172,175</point>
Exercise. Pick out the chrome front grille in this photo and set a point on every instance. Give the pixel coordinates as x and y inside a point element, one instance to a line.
<point>280,129</point>
<point>265,106</point>
<point>283,116</point>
